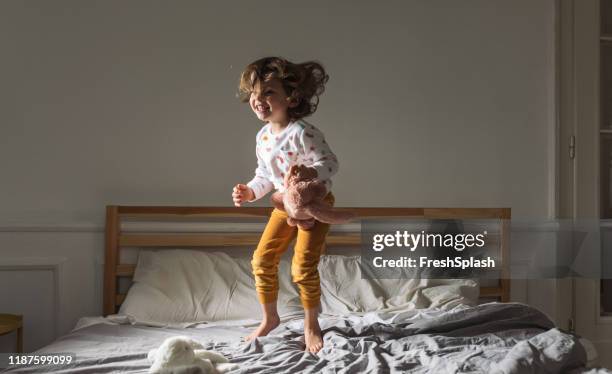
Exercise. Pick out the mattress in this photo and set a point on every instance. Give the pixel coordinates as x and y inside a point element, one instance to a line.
<point>488,338</point>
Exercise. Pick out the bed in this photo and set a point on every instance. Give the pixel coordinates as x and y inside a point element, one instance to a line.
<point>201,254</point>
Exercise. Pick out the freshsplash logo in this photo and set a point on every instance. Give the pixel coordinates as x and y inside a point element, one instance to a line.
<point>432,249</point>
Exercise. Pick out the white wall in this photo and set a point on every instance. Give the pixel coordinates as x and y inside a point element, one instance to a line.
<point>437,103</point>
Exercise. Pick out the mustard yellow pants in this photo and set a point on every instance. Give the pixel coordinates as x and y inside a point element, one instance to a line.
<point>309,246</point>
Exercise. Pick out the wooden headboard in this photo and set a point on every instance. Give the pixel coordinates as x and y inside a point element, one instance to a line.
<point>116,238</point>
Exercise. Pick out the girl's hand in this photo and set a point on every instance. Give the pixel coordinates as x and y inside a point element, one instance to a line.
<point>242,193</point>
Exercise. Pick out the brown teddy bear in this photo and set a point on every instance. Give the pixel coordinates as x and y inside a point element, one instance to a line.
<point>303,201</point>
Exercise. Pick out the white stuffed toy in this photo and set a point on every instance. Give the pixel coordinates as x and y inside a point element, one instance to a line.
<point>183,355</point>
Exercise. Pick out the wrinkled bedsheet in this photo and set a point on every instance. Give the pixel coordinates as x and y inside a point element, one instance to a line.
<point>489,338</point>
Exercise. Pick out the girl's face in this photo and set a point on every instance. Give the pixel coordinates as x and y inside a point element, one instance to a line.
<point>270,102</point>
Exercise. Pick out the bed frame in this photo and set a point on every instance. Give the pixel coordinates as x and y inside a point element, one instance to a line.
<point>116,238</point>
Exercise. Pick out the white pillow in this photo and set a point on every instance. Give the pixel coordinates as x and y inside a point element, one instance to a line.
<point>344,291</point>
<point>179,287</point>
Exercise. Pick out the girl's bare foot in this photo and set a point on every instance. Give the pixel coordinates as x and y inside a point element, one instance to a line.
<point>313,339</point>
<point>312,331</point>
<point>267,325</point>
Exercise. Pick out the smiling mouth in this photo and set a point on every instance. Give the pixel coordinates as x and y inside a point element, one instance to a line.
<point>262,109</point>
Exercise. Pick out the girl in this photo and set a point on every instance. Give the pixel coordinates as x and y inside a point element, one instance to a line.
<point>281,94</point>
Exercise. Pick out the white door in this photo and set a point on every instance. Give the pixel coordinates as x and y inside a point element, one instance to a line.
<point>581,182</point>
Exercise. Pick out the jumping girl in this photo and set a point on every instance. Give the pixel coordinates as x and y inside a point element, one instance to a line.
<point>281,94</point>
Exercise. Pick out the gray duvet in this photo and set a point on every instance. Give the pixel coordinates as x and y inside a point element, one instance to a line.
<point>489,338</point>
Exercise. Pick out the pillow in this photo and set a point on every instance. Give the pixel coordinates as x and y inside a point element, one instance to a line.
<point>181,287</point>
<point>344,291</point>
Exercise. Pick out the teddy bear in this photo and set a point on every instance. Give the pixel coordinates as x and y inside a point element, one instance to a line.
<point>183,355</point>
<point>303,200</point>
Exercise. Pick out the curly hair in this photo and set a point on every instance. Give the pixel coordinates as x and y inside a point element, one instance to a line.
<point>303,83</point>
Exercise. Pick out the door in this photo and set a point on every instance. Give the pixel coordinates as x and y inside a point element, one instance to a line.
<point>584,154</point>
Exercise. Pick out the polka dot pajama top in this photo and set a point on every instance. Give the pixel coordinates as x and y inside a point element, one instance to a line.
<point>298,143</point>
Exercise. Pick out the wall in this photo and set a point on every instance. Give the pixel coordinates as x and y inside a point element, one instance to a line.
<point>438,103</point>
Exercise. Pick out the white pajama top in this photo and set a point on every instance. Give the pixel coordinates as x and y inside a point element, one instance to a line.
<point>298,143</point>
